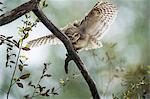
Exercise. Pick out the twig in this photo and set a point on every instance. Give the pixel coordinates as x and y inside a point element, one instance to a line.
<point>11,82</point>
<point>67,60</point>
<point>37,85</point>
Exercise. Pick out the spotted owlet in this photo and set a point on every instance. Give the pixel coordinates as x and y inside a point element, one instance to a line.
<point>87,33</point>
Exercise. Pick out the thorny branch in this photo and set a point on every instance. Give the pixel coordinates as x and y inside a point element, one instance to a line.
<point>33,5</point>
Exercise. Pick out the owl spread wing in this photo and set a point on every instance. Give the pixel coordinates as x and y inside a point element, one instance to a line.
<point>96,23</point>
<point>99,19</point>
<point>49,39</point>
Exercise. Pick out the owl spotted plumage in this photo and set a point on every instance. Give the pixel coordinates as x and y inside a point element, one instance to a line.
<point>87,33</point>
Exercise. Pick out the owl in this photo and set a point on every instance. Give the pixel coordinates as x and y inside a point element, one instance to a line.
<point>87,33</point>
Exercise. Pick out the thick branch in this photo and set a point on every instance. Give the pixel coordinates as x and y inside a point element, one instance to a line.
<point>72,53</point>
<point>17,12</point>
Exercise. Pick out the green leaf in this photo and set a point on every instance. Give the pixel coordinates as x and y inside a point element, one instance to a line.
<point>15,41</point>
<point>16,79</point>
<point>26,15</point>
<point>25,64</point>
<point>55,93</point>
<point>9,45</point>
<point>27,45</point>
<point>21,61</point>
<point>26,48</point>
<point>25,76</point>
<point>1,3</point>
<point>12,62</point>
<point>20,67</point>
<point>148,69</point>
<point>1,10</point>
<point>62,82</point>
<point>20,41</point>
<point>45,5</point>
<point>48,75</point>
<point>30,83</point>
<point>47,91</point>
<point>23,57</point>
<point>52,89</point>
<point>21,29</point>
<point>9,37</point>
<point>26,36</point>
<point>27,96</point>
<point>41,88</point>
<point>27,29</point>
<point>20,85</point>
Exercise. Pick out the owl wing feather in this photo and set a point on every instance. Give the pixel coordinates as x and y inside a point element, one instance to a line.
<point>49,39</point>
<point>99,19</point>
<point>97,22</point>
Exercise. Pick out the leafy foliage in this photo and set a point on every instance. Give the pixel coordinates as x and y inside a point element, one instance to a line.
<point>136,82</point>
<point>14,60</point>
<point>40,90</point>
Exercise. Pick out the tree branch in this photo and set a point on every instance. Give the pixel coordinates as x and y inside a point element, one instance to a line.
<point>17,12</point>
<point>21,10</point>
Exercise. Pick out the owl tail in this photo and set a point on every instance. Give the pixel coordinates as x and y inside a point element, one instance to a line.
<point>49,39</point>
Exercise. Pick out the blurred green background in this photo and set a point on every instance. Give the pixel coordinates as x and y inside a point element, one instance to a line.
<point>124,57</point>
